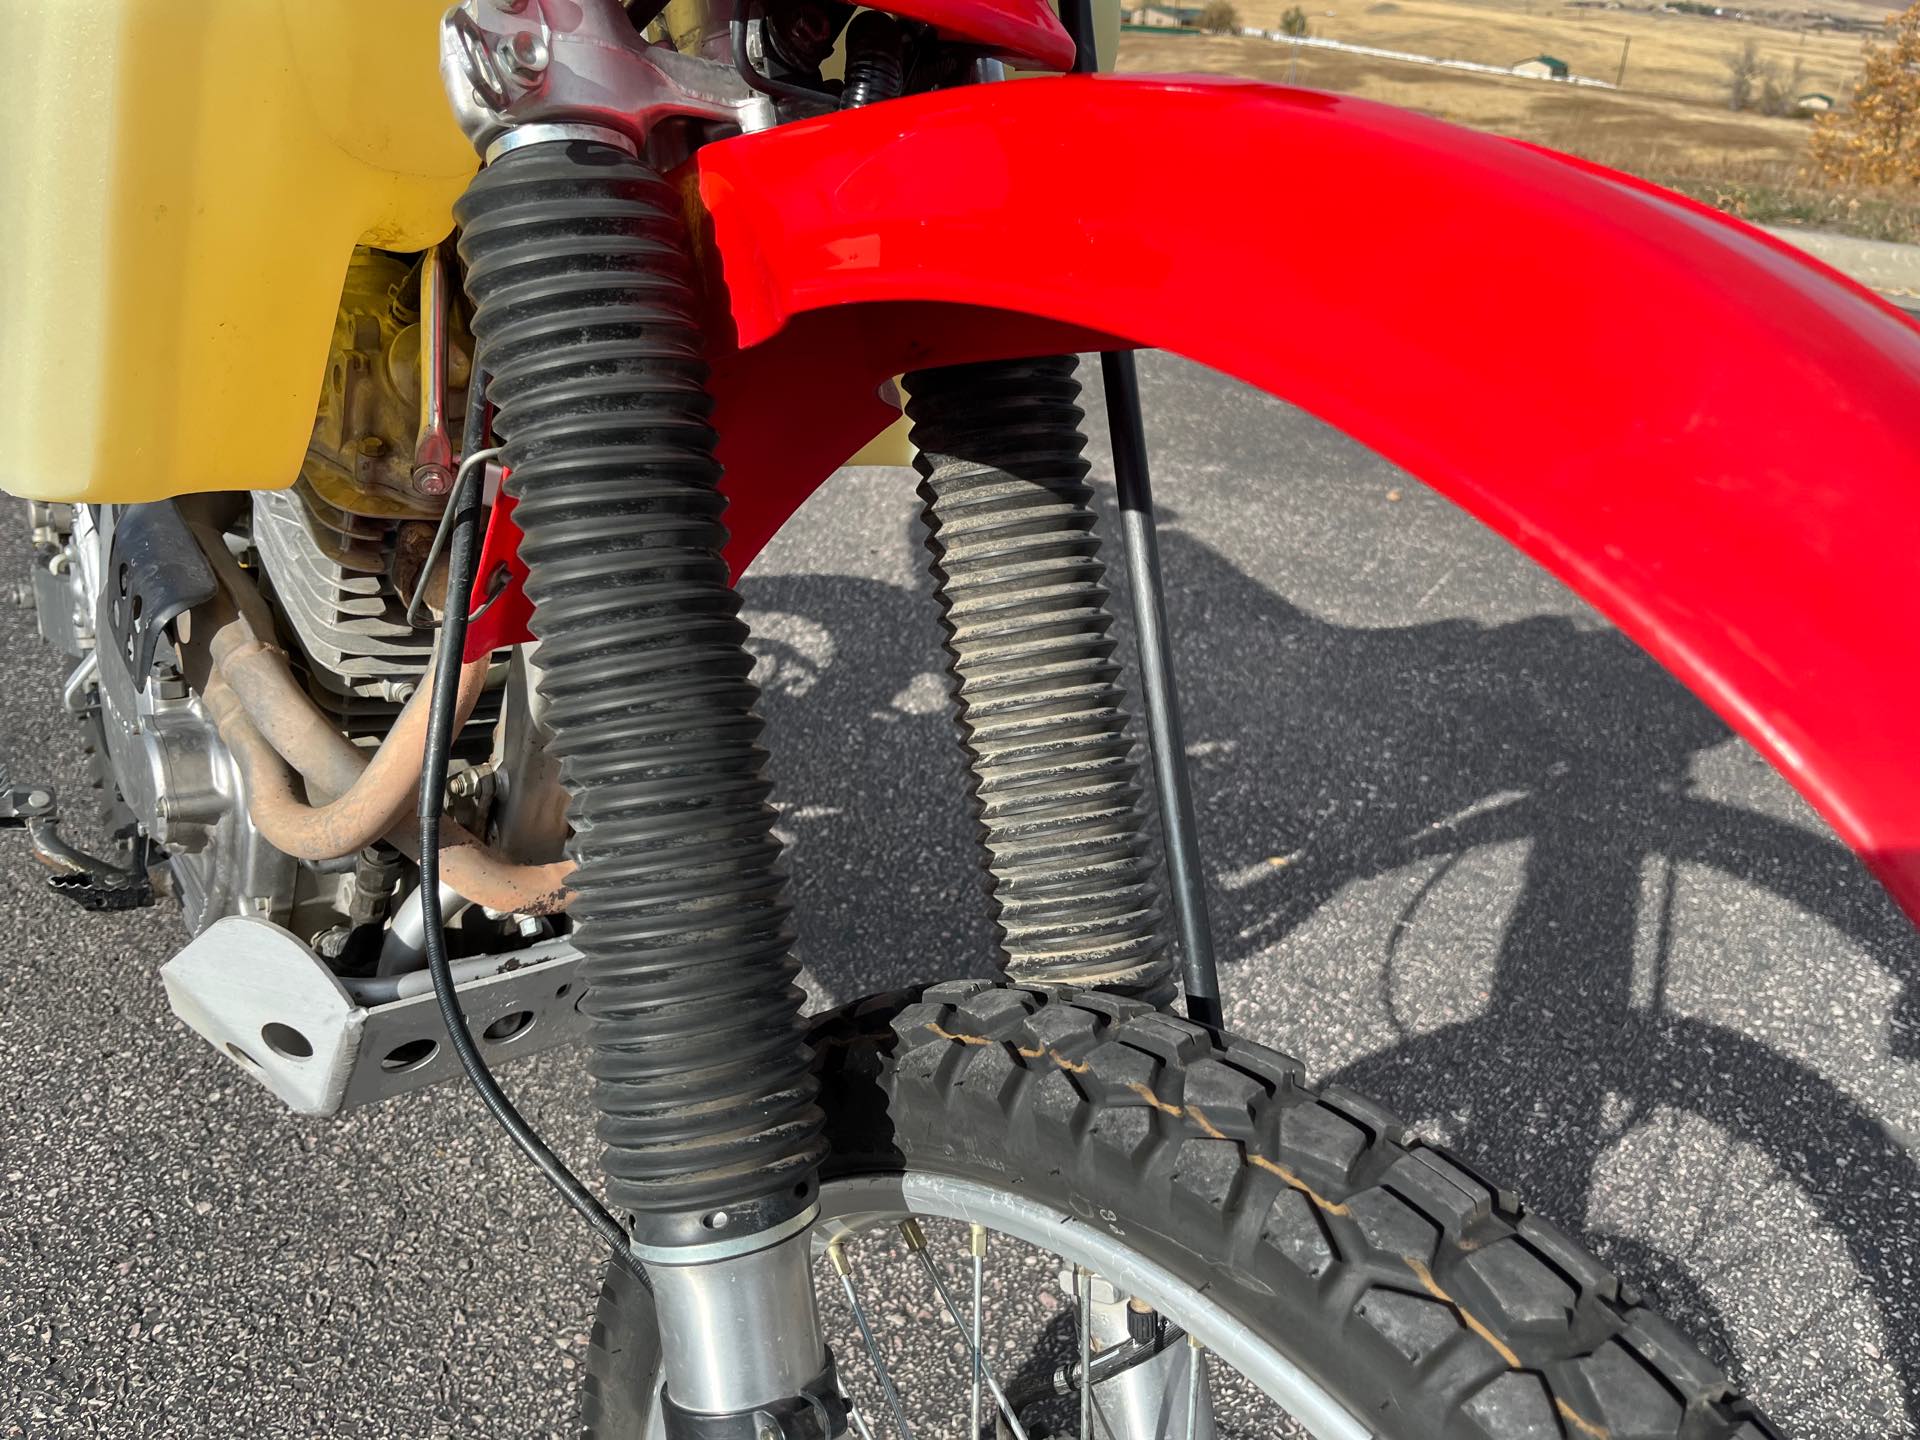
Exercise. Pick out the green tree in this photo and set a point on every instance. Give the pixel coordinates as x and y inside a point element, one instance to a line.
<point>1294,22</point>
<point>1876,140</point>
<point>1220,18</point>
<point>1746,73</point>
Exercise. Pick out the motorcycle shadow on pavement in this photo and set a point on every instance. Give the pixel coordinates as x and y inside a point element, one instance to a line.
<point>1626,1038</point>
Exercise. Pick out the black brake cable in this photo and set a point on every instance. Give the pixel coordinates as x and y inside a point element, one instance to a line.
<point>765,84</point>
<point>462,560</point>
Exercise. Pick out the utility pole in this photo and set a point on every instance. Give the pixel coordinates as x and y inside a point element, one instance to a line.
<point>1621,78</point>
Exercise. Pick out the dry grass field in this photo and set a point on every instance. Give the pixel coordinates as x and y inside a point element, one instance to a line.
<point>1654,130</point>
<point>1666,54</point>
<point>1669,122</point>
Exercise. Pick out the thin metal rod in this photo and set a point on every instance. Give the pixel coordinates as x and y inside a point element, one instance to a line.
<point>841,1267</point>
<point>1076,18</point>
<point>1199,975</point>
<point>1083,1290</point>
<point>978,1239</point>
<point>1159,693</point>
<point>917,1242</point>
<point>859,1422</point>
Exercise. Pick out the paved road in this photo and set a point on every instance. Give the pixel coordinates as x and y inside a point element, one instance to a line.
<point>1469,851</point>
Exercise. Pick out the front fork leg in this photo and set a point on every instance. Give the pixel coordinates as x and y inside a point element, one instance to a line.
<point>581,277</point>
<point>741,1350</point>
<point>577,262</point>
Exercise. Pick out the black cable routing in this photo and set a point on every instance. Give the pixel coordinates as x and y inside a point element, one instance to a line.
<point>462,560</point>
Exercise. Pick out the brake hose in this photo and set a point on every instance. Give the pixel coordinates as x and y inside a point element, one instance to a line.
<point>462,560</point>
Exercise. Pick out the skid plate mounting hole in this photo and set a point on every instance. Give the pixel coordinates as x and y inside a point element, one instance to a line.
<point>410,1054</point>
<point>509,1026</point>
<point>287,1041</point>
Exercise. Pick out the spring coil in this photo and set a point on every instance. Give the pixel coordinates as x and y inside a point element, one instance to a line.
<point>875,70</point>
<point>1023,601</point>
<point>585,318</point>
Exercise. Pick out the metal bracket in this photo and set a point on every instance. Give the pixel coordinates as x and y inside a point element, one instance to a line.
<point>20,805</point>
<point>508,63</point>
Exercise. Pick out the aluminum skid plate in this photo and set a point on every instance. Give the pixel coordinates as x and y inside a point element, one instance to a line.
<point>267,1002</point>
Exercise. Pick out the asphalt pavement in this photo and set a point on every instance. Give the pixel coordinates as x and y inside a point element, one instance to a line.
<point>1469,851</point>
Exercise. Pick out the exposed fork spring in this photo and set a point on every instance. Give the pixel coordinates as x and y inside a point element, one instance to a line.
<point>1023,602</point>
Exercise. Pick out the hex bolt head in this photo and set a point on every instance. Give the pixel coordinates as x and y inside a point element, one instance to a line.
<point>524,53</point>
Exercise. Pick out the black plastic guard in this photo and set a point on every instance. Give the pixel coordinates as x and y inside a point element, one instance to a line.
<point>154,573</point>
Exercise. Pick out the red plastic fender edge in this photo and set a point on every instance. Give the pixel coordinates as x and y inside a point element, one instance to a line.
<point>1713,439</point>
<point>1025,32</point>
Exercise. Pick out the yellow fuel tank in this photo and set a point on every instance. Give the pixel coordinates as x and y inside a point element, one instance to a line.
<point>180,193</point>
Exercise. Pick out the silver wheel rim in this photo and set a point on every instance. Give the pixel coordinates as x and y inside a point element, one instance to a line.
<point>854,1206</point>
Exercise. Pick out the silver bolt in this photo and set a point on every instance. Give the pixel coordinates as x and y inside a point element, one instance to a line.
<point>432,479</point>
<point>39,799</point>
<point>524,53</point>
<point>471,781</point>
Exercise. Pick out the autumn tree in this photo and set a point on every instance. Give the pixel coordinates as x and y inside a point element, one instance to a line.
<point>1876,139</point>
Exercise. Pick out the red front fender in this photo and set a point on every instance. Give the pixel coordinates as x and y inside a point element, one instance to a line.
<point>1713,439</point>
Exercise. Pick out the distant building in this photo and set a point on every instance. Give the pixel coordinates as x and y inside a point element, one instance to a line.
<point>1542,67</point>
<point>1813,103</point>
<point>1165,17</point>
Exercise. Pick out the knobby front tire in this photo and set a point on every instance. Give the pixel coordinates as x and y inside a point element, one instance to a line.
<point>1426,1302</point>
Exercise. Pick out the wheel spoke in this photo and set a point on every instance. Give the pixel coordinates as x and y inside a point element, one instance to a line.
<point>917,1242</point>
<point>1083,1293</point>
<point>1196,1376</point>
<point>977,1237</point>
<point>837,1253</point>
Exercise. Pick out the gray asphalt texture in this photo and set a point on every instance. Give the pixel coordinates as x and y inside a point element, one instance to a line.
<point>1470,852</point>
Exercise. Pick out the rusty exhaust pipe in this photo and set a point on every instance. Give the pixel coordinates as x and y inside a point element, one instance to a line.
<point>273,729</point>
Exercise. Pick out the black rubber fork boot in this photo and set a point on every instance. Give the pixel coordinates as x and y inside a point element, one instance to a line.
<point>1023,600</point>
<point>577,263</point>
